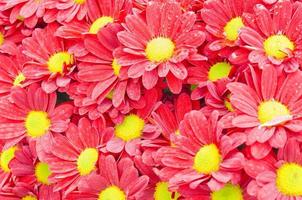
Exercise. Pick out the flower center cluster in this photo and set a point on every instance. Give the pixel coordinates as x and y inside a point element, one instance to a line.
<point>219,70</point>
<point>160,49</point>
<point>42,173</point>
<point>289,179</point>
<point>277,45</point>
<point>131,128</point>
<point>19,79</point>
<point>112,193</point>
<point>1,38</point>
<point>79,1</point>
<point>37,123</point>
<point>231,29</point>
<point>270,110</point>
<point>99,23</point>
<point>207,159</point>
<point>5,157</point>
<point>116,67</point>
<point>229,191</point>
<point>87,160</point>
<point>29,197</point>
<point>162,192</point>
<point>58,61</point>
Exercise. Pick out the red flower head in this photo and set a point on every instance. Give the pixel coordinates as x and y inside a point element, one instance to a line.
<point>68,10</point>
<point>156,42</point>
<point>33,114</point>
<point>201,154</point>
<point>268,108</point>
<point>52,63</point>
<point>281,181</point>
<point>275,37</point>
<point>74,156</point>
<point>116,180</point>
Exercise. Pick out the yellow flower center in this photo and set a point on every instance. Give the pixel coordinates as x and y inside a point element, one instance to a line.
<point>231,29</point>
<point>277,46</point>
<point>131,128</point>
<point>219,70</point>
<point>289,179</point>
<point>87,160</point>
<point>29,197</point>
<point>162,192</point>
<point>100,23</point>
<point>228,192</point>
<point>42,173</point>
<point>1,38</point>
<point>37,123</point>
<point>19,79</point>
<point>160,49</point>
<point>116,67</point>
<point>227,103</point>
<point>58,61</point>
<point>5,157</point>
<point>79,1</point>
<point>270,110</point>
<point>112,193</point>
<point>207,159</point>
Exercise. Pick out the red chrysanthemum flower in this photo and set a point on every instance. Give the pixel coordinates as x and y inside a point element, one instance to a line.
<point>9,38</point>
<point>30,171</point>
<point>284,180</point>
<point>52,63</point>
<point>224,20</point>
<point>200,154</point>
<point>100,13</point>
<point>33,114</point>
<point>74,156</point>
<point>275,37</point>
<point>156,47</point>
<point>268,108</point>
<point>68,10</point>
<point>117,180</point>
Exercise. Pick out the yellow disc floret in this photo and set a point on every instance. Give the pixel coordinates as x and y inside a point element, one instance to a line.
<point>219,70</point>
<point>289,179</point>
<point>87,160</point>
<point>58,61</point>
<point>277,45</point>
<point>29,197</point>
<point>231,29</point>
<point>207,159</point>
<point>112,193</point>
<point>116,67</point>
<point>42,173</point>
<point>228,192</point>
<point>131,128</point>
<point>270,110</point>
<point>37,123</point>
<point>79,1</point>
<point>19,79</point>
<point>1,38</point>
<point>162,192</point>
<point>5,157</point>
<point>100,23</point>
<point>160,49</point>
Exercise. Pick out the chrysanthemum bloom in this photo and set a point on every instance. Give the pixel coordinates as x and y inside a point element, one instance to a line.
<point>117,180</point>
<point>224,20</point>
<point>6,156</point>
<point>33,114</point>
<point>215,70</point>
<point>31,171</point>
<point>74,156</point>
<point>29,11</point>
<point>100,67</point>
<point>156,47</point>
<point>9,38</point>
<point>268,108</point>
<point>157,189</point>
<point>100,13</point>
<point>275,37</point>
<point>200,154</point>
<point>68,10</point>
<point>11,73</point>
<point>52,63</point>
<point>284,181</point>
<point>134,128</point>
